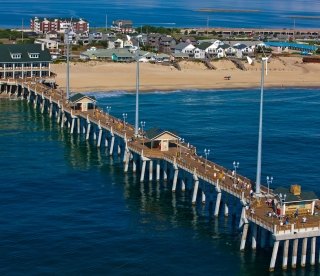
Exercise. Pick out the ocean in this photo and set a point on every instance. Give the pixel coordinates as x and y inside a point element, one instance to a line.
<point>239,13</point>
<point>67,208</point>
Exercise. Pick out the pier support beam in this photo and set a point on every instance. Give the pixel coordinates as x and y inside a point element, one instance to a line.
<point>304,252</point>
<point>175,178</point>
<point>195,189</point>
<point>254,236</point>
<point>99,137</point>
<point>203,197</point>
<point>88,131</point>
<point>313,251</point>
<point>165,173</point>
<point>150,170</point>
<point>226,210</point>
<point>134,163</point>
<point>111,144</point>
<point>78,125</point>
<point>217,207</point>
<point>50,110</point>
<point>127,154</point>
<point>143,170</point>
<point>158,170</point>
<point>43,103</point>
<point>274,255</point>
<point>285,255</point>
<point>294,253</point>
<point>244,236</point>
<point>72,125</point>
<point>183,185</point>
<point>58,115</point>
<point>263,237</point>
<point>63,117</point>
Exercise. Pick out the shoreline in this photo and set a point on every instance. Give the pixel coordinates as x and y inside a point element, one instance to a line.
<point>94,76</point>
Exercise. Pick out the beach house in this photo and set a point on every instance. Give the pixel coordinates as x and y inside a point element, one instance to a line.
<point>24,60</point>
<point>186,48</point>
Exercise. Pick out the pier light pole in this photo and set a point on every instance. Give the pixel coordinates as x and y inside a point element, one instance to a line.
<point>136,125</point>
<point>143,124</point>
<point>206,153</point>
<point>125,116</point>
<point>108,112</point>
<point>282,200</point>
<point>67,41</point>
<point>269,181</point>
<point>258,177</point>
<point>235,166</point>
<point>181,141</point>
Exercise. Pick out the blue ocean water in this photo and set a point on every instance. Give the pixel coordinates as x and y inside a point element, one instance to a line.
<point>67,208</point>
<point>178,13</point>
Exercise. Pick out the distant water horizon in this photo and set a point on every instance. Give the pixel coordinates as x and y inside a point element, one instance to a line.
<point>299,14</point>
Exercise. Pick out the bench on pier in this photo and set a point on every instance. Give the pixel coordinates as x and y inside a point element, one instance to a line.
<point>227,77</point>
<point>301,212</point>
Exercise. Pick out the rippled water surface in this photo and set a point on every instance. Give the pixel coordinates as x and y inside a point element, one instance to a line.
<point>178,13</point>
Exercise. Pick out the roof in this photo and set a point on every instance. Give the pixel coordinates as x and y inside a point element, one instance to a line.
<point>52,19</point>
<point>181,45</point>
<point>154,133</point>
<point>224,46</point>
<point>180,55</point>
<point>6,51</point>
<point>77,97</point>
<point>240,46</point>
<point>204,45</point>
<point>304,196</point>
<point>305,47</point>
<point>105,53</point>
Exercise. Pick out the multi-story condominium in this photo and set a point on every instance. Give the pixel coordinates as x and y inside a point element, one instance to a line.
<point>24,61</point>
<point>122,26</point>
<point>45,25</point>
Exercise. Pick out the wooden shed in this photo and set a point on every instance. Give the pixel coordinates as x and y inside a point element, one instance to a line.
<point>82,102</point>
<point>162,139</point>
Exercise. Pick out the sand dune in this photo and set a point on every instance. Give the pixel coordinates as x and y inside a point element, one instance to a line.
<point>106,76</point>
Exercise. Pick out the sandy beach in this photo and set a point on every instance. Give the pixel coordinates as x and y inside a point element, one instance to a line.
<point>96,76</point>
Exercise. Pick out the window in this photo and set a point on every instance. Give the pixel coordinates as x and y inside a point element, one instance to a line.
<point>33,55</point>
<point>16,55</point>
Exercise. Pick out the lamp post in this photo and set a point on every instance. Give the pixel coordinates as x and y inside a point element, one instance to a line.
<point>206,153</point>
<point>282,200</point>
<point>125,116</point>
<point>108,112</point>
<point>264,63</point>
<point>143,124</point>
<point>181,141</point>
<point>67,42</point>
<point>269,181</point>
<point>136,125</point>
<point>235,166</point>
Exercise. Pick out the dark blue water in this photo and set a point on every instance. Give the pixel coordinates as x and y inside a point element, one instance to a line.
<point>68,208</point>
<point>178,13</point>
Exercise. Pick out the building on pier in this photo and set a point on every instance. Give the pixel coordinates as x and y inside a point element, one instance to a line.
<point>161,139</point>
<point>24,61</point>
<point>82,102</point>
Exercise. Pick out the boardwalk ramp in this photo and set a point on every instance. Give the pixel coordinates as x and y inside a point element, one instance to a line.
<point>176,65</point>
<point>238,63</point>
<point>208,64</point>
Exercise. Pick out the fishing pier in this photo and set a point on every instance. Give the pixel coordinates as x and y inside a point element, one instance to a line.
<point>287,220</point>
